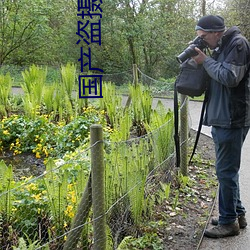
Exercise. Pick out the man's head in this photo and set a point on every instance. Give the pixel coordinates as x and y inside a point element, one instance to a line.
<point>211,29</point>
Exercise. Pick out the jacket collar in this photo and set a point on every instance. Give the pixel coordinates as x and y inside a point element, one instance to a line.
<point>231,32</point>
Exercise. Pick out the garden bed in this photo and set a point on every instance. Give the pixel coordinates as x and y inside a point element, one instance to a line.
<point>178,221</point>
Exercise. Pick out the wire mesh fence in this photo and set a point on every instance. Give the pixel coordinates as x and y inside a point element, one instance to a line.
<point>55,210</point>
<point>42,210</point>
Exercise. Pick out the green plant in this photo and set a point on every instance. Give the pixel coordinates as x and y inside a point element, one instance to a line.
<point>141,104</point>
<point>184,181</point>
<point>30,208</point>
<point>55,196</point>
<point>33,85</point>
<point>56,187</point>
<point>23,134</point>
<point>176,199</point>
<point>126,173</point>
<point>6,184</point>
<point>121,131</point>
<point>62,106</point>
<point>147,241</point>
<point>44,137</point>
<point>23,246</point>
<point>161,128</point>
<point>48,98</point>
<point>68,74</point>
<point>164,191</point>
<point>5,90</point>
<point>64,185</point>
<point>6,204</point>
<point>111,104</point>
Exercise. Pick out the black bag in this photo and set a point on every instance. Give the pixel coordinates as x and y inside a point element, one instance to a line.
<point>192,80</point>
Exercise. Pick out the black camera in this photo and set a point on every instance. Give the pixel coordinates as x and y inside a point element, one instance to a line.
<point>190,51</point>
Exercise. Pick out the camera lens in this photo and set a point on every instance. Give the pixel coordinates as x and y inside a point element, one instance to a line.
<point>187,53</point>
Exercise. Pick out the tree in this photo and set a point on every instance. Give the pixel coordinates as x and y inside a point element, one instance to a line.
<point>20,22</point>
<point>37,32</point>
<point>149,33</point>
<point>237,12</point>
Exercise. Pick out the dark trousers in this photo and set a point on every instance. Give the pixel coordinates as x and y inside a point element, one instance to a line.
<point>228,145</point>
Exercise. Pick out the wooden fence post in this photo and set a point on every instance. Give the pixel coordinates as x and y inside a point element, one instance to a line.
<point>135,74</point>
<point>135,82</point>
<point>98,195</point>
<point>80,218</point>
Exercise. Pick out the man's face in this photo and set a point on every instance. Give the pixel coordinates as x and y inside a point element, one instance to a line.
<point>211,38</point>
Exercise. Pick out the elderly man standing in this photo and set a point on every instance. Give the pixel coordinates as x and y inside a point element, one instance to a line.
<point>228,112</point>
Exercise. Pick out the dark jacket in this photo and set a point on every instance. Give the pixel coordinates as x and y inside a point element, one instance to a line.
<point>228,103</point>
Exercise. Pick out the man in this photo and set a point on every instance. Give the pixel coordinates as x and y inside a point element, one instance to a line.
<point>228,112</point>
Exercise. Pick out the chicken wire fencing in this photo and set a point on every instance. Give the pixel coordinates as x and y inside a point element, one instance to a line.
<point>55,210</point>
<point>160,87</point>
<point>68,207</point>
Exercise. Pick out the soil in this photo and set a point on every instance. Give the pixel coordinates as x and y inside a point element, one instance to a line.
<point>25,164</point>
<point>186,223</point>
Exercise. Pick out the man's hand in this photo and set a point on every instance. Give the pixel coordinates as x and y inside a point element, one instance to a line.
<point>200,58</point>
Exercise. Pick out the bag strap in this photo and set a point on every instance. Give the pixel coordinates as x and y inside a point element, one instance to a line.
<point>199,127</point>
<point>176,126</point>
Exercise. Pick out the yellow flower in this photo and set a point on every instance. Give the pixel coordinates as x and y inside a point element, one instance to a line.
<point>37,196</point>
<point>16,152</point>
<point>6,132</point>
<point>73,199</point>
<point>45,151</point>
<point>31,187</point>
<point>38,155</point>
<point>69,211</point>
<point>14,209</point>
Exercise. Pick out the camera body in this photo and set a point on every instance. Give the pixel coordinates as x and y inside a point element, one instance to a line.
<point>190,51</point>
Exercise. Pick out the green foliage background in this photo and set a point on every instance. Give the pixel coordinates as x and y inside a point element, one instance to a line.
<point>149,33</point>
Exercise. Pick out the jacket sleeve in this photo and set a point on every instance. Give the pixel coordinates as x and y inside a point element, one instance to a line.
<point>230,70</point>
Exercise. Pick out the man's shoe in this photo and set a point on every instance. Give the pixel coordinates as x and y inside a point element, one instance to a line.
<point>221,231</point>
<point>241,219</point>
